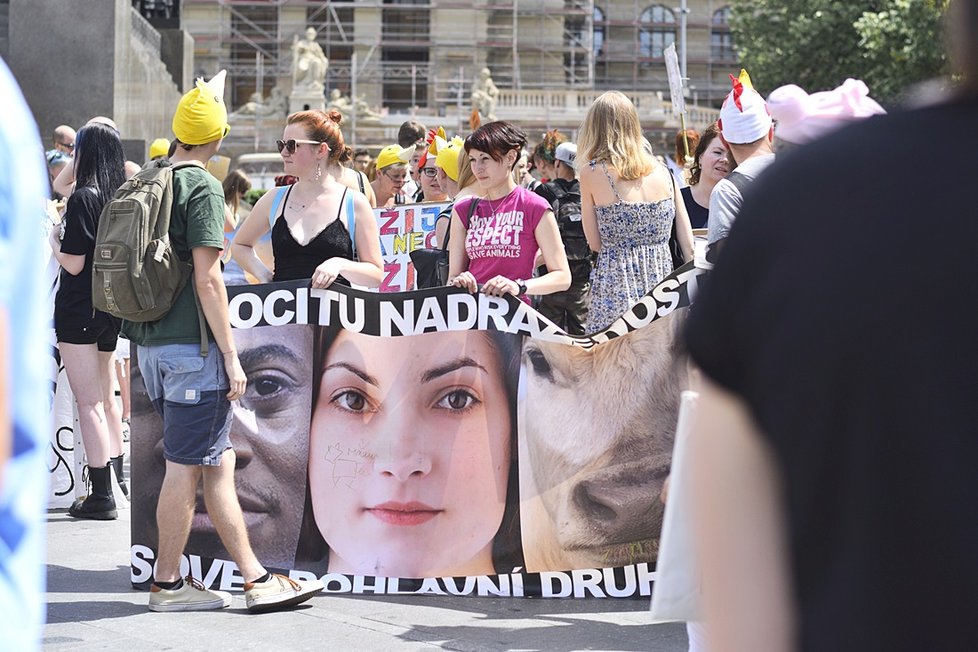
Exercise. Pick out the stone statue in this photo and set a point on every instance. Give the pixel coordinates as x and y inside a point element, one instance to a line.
<point>347,106</point>
<point>340,102</point>
<point>275,104</point>
<point>308,63</point>
<point>485,95</point>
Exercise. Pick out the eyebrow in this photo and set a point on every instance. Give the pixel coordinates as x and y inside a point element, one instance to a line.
<point>356,371</point>
<point>449,367</point>
<point>268,352</point>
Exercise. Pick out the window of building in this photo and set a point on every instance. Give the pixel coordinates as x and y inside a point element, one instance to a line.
<point>657,31</point>
<point>575,27</point>
<point>721,40</point>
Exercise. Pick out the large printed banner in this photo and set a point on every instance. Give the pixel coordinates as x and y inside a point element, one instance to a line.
<point>402,230</point>
<point>438,442</point>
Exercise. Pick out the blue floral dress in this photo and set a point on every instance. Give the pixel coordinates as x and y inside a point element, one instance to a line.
<point>634,255</point>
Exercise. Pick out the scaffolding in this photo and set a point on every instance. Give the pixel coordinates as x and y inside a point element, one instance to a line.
<point>425,53</point>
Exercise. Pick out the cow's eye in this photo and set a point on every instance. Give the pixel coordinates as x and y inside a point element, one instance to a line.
<point>540,365</point>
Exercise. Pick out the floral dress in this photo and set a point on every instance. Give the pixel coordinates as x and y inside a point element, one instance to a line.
<point>634,254</point>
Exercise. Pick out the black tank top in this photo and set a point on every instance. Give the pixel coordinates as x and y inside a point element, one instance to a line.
<point>294,261</point>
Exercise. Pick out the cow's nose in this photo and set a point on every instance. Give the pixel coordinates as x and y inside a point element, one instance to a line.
<point>625,510</point>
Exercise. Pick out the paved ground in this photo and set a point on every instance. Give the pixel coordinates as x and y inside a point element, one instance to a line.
<point>91,606</point>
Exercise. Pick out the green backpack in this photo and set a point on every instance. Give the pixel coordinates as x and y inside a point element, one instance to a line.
<point>135,273</point>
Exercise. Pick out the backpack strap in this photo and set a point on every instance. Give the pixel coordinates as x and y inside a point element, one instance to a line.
<point>279,194</point>
<point>351,220</point>
<point>201,318</point>
<point>740,181</point>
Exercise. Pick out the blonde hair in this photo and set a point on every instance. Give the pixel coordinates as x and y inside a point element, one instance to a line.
<point>611,132</point>
<point>466,177</point>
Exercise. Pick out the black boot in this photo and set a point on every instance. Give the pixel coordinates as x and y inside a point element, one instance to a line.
<point>120,474</point>
<point>99,505</point>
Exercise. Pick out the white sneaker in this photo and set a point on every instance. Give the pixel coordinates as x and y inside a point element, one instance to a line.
<point>192,596</point>
<point>279,592</point>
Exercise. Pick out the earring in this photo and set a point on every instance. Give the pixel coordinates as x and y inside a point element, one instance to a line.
<point>319,172</point>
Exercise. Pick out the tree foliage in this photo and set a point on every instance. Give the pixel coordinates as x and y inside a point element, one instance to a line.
<point>817,44</point>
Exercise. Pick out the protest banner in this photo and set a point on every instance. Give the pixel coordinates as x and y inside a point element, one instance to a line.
<point>438,442</point>
<point>403,229</point>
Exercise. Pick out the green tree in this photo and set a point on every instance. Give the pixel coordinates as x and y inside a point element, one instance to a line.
<point>817,44</point>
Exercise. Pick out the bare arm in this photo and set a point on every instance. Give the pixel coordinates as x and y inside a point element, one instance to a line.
<point>589,218</point>
<point>368,270</point>
<point>441,228</point>
<point>368,190</point>
<point>684,228</point>
<point>739,526</point>
<point>251,230</point>
<point>558,276</point>
<point>458,259</point>
<point>64,183</point>
<point>72,263</point>
<point>209,283</point>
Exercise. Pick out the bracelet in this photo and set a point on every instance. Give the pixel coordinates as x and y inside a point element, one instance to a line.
<point>229,352</point>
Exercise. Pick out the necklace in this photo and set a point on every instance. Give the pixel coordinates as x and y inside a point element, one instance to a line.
<point>492,208</point>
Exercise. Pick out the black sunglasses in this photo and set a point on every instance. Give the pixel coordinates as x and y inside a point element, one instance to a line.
<point>292,143</point>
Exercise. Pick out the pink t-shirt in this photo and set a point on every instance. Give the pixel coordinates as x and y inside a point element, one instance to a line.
<point>501,238</point>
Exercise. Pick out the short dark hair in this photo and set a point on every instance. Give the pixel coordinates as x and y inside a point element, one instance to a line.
<point>361,152</point>
<point>497,139</point>
<point>410,132</point>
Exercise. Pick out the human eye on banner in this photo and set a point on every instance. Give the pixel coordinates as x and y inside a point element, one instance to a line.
<point>402,230</point>
<point>438,442</point>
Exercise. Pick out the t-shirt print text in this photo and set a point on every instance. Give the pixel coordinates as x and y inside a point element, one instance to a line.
<point>496,236</point>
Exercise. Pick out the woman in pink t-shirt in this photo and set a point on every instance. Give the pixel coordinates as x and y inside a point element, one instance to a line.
<point>494,242</point>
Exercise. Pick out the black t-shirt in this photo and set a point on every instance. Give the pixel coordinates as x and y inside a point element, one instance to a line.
<point>855,349</point>
<point>698,215</point>
<point>73,303</point>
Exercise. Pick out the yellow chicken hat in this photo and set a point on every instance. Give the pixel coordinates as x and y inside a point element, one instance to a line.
<point>202,116</point>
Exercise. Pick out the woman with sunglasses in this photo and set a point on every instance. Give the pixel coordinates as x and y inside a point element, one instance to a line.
<point>391,175</point>
<point>321,230</point>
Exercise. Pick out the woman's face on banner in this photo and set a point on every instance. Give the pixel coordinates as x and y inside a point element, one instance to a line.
<point>409,454</point>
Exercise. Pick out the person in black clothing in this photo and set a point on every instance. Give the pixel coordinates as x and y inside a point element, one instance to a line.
<point>87,337</point>
<point>834,448</point>
<point>568,309</point>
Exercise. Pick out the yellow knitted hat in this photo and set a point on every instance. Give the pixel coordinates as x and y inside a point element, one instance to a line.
<point>448,153</point>
<point>394,154</point>
<point>159,147</point>
<point>201,115</point>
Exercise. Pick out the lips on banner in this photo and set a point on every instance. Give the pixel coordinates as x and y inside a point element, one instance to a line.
<point>438,442</point>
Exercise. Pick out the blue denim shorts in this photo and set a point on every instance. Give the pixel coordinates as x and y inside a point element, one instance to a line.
<point>190,393</point>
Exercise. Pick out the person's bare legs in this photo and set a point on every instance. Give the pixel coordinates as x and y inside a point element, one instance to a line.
<point>113,416</point>
<point>221,499</point>
<point>174,515</point>
<point>122,374</point>
<point>83,362</point>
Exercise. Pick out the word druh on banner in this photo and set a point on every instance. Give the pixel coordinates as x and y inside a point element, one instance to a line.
<point>402,230</point>
<point>439,442</point>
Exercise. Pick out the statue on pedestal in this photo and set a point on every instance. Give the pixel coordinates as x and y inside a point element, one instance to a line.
<point>308,64</point>
<point>485,95</point>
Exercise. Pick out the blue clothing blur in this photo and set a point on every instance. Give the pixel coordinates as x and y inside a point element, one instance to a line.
<point>24,488</point>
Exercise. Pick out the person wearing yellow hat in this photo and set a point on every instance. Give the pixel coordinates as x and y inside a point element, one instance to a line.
<point>431,190</point>
<point>159,149</point>
<point>197,423</point>
<point>454,177</point>
<point>392,172</point>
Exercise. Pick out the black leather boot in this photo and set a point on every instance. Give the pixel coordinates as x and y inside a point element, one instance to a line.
<point>99,505</point>
<point>120,474</point>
